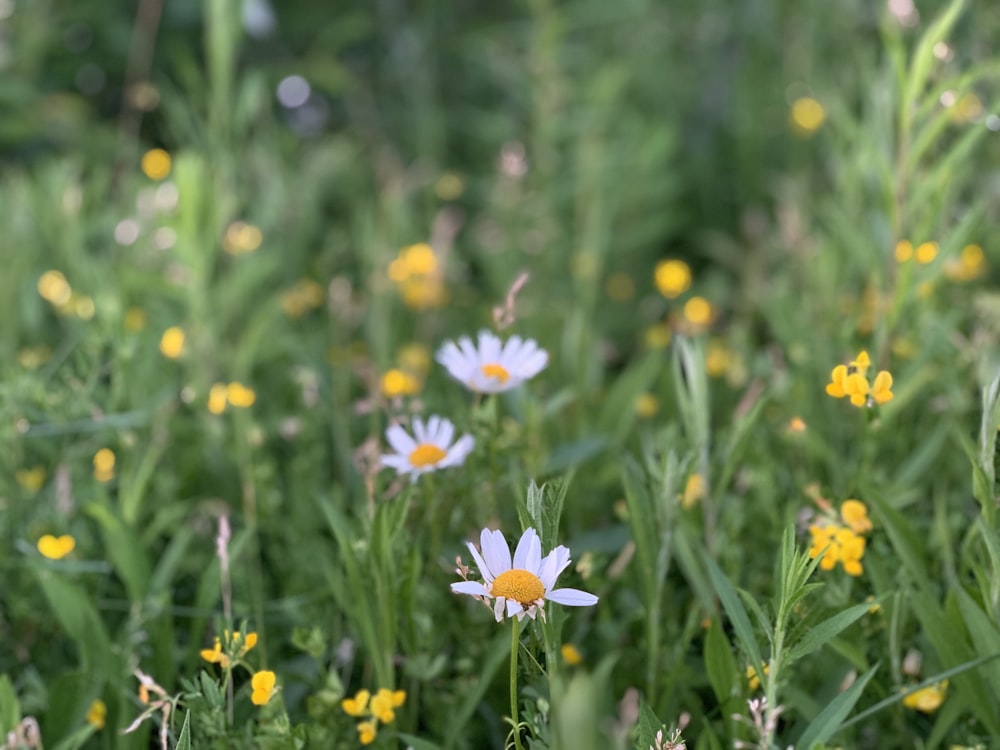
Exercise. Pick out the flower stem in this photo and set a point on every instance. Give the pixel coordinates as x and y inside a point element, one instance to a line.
<point>515,642</point>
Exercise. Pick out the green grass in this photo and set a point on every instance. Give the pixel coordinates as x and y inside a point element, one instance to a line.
<point>577,143</point>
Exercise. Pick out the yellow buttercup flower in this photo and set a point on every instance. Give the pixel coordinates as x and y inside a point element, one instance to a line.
<point>397,383</point>
<point>104,465</point>
<point>367,731</point>
<point>926,253</point>
<point>383,703</point>
<point>698,312</point>
<point>904,251</point>
<point>97,713</point>
<point>56,548</point>
<point>571,654</point>
<point>849,380</point>
<point>217,398</point>
<point>358,705</point>
<point>156,164</point>
<point>672,277</point>
<point>752,677</point>
<point>31,479</point>
<point>241,238</point>
<point>928,699</point>
<point>970,263</point>
<point>172,342</point>
<point>807,116</point>
<point>54,288</point>
<point>240,396</point>
<point>694,491</point>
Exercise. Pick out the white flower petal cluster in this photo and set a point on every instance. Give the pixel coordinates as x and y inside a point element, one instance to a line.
<point>492,366</point>
<point>429,449</point>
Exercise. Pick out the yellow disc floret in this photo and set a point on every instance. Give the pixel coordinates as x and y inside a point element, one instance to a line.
<point>426,454</point>
<point>496,371</point>
<point>523,587</point>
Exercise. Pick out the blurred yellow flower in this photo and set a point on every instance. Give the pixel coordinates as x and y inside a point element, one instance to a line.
<point>841,544</point>
<point>694,491</point>
<point>53,288</point>
<point>904,251</point>
<point>850,380</point>
<point>97,713</point>
<point>855,515</point>
<point>970,263</point>
<point>367,730</point>
<point>31,479</point>
<point>237,646</point>
<point>135,319</point>
<point>807,116</point>
<point>646,405</point>
<point>571,654</point>
<point>263,687</point>
<point>358,705</point>
<point>423,292</point>
<point>376,709</point>
<point>752,677</point>
<point>172,342</point>
<point>156,164</point>
<point>413,261</point>
<point>217,397</point>
<point>718,358</point>
<point>672,277</point>
<point>698,311</point>
<point>104,465</point>
<point>383,703</point>
<point>928,699</point>
<point>968,108</point>
<point>397,383</point>
<point>299,299</point>
<point>56,547</point>
<point>241,238</point>
<point>240,396</point>
<point>796,424</point>
<point>83,306</point>
<point>926,252</point>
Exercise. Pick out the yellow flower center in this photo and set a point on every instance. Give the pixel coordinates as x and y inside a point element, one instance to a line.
<point>523,587</point>
<point>426,454</point>
<point>496,371</point>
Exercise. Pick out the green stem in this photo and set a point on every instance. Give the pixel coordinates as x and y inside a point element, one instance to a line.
<point>515,641</point>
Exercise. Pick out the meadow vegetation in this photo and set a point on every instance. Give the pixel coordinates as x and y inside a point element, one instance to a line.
<point>510,375</point>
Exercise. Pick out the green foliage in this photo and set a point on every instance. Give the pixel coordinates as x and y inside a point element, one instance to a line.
<point>692,463</point>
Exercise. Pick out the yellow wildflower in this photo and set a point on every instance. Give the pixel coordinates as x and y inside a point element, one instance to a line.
<point>796,424</point>
<point>927,699</point>
<point>383,703</point>
<point>241,238</point>
<point>855,515</point>
<point>303,296</point>
<point>423,292</point>
<point>104,465</point>
<point>217,398</point>
<point>571,654</point>
<point>56,548</point>
<point>172,342</point>
<point>926,253</point>
<point>672,277</point>
<point>358,705</point>
<point>238,645</point>
<point>156,164</point>
<point>841,544</point>
<point>240,396</point>
<point>646,405</point>
<point>397,383</point>
<point>54,288</point>
<point>698,312</point>
<point>718,358</point>
<point>807,116</point>
<point>97,713</point>
<point>849,380</point>
<point>904,251</point>
<point>31,479</point>
<point>694,491</point>
<point>752,677</point>
<point>970,263</point>
<point>263,687</point>
<point>367,730</point>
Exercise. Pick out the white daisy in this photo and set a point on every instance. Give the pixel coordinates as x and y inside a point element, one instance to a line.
<point>432,449</point>
<point>493,366</point>
<point>522,586</point>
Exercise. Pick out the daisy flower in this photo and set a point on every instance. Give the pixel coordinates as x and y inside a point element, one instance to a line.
<point>432,449</point>
<point>492,366</point>
<point>520,586</point>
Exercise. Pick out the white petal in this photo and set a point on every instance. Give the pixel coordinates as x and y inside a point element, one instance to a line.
<point>484,569</point>
<point>495,551</point>
<point>571,598</point>
<point>489,348</point>
<point>498,608</point>
<point>458,453</point>
<point>399,463</point>
<point>514,608</point>
<point>400,441</point>
<point>419,431</point>
<point>528,554</point>
<point>445,433</point>
<point>554,563</point>
<point>453,360</point>
<point>531,366</point>
<point>511,351</point>
<point>472,588</point>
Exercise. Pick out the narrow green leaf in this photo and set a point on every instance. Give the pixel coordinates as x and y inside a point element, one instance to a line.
<point>719,663</point>
<point>10,709</point>
<point>184,740</point>
<point>831,719</point>
<point>923,56</point>
<point>736,612</point>
<point>649,725</point>
<point>820,634</point>
<point>985,636</point>
<point>123,548</point>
